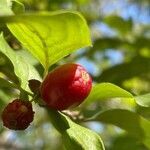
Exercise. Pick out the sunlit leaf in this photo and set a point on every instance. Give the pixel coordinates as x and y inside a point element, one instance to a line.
<point>143,100</point>
<point>5,7</point>
<point>48,38</point>
<point>23,70</point>
<point>75,137</point>
<point>105,91</point>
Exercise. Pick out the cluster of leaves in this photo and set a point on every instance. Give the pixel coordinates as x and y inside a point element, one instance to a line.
<point>43,35</point>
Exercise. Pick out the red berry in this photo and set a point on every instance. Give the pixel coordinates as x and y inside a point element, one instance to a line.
<point>18,115</point>
<point>66,86</point>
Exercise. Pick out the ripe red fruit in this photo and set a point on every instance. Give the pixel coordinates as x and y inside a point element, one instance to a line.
<point>66,86</point>
<point>18,115</point>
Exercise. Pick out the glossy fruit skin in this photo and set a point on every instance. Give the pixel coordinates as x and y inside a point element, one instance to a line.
<point>18,115</point>
<point>66,86</point>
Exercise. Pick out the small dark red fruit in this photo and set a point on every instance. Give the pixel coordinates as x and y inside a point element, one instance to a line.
<point>18,115</point>
<point>66,86</point>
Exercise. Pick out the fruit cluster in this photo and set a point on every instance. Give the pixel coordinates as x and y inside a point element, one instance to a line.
<point>65,87</point>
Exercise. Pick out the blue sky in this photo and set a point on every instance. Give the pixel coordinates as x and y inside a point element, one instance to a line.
<point>140,14</point>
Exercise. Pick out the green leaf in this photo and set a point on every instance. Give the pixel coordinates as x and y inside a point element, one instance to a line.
<point>85,139</point>
<point>143,100</point>
<point>144,112</point>
<point>126,142</point>
<point>6,68</point>
<point>75,137</point>
<point>119,73</point>
<point>5,97</point>
<point>17,7</point>
<point>119,24</point>
<point>23,70</point>
<point>50,36</point>
<point>6,83</point>
<point>141,43</point>
<point>134,124</point>
<point>105,91</point>
<point>5,7</point>
<point>105,43</point>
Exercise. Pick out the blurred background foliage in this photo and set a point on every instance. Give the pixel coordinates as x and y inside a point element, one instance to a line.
<point>120,55</point>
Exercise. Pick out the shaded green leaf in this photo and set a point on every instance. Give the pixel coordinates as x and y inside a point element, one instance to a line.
<point>6,83</point>
<point>105,91</point>
<point>23,70</point>
<point>17,7</point>
<point>48,38</point>
<point>119,73</point>
<point>6,68</point>
<point>126,142</point>
<point>134,124</point>
<point>105,43</point>
<point>144,112</point>
<point>75,136</point>
<point>140,44</point>
<point>5,97</point>
<point>118,23</point>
